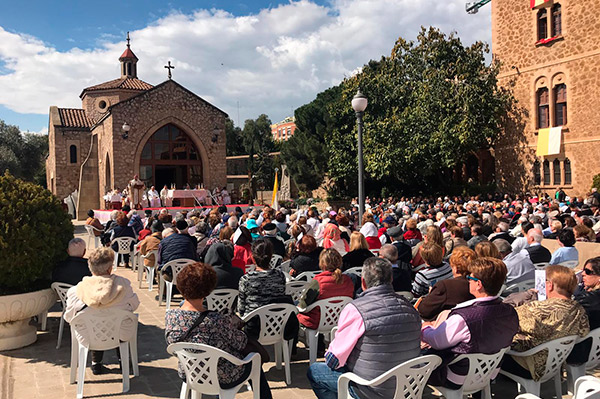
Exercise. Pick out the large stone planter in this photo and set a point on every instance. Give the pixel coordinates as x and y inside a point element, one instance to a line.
<point>16,311</point>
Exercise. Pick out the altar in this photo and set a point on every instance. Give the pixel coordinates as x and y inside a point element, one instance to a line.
<point>187,198</point>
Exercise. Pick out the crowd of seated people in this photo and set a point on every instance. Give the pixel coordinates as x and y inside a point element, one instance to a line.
<point>455,255</point>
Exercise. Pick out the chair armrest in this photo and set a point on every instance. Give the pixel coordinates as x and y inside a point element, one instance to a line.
<point>538,348</point>
<point>527,396</point>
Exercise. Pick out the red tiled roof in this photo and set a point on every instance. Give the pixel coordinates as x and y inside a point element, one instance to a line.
<point>127,54</point>
<point>121,83</point>
<point>73,117</point>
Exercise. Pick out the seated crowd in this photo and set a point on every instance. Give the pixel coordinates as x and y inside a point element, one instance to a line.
<point>453,256</point>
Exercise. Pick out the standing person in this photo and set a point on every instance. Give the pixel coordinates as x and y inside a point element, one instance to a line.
<point>136,191</point>
<point>164,193</point>
<point>192,322</point>
<point>377,322</point>
<point>73,269</point>
<point>103,290</point>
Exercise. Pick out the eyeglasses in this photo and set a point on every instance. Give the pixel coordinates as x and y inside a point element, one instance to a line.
<point>472,278</point>
<point>588,271</point>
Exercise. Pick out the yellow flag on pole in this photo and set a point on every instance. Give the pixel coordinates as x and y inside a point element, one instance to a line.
<point>549,140</point>
<point>274,202</point>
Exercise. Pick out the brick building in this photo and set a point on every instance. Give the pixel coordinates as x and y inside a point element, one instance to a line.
<point>550,57</point>
<point>173,137</point>
<point>284,130</point>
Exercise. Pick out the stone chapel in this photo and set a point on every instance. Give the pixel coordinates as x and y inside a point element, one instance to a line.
<point>165,133</point>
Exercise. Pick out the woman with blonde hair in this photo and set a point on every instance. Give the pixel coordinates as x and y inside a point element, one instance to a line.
<point>358,253</point>
<point>327,284</point>
<point>446,294</point>
<point>487,249</point>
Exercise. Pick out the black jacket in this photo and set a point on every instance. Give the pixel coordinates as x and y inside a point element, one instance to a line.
<point>590,300</point>
<point>302,262</point>
<point>278,246</point>
<point>355,258</point>
<point>539,254</point>
<point>71,271</point>
<point>219,257</point>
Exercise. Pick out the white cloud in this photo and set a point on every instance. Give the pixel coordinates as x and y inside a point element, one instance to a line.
<point>269,62</point>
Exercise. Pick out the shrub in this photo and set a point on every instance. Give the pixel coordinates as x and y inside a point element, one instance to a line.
<point>34,235</point>
<point>596,182</point>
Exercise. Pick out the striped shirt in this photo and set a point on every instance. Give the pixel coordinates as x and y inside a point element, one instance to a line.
<point>428,276</point>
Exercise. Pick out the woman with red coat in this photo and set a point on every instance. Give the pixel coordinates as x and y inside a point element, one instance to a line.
<point>327,284</point>
<point>369,230</point>
<point>242,249</point>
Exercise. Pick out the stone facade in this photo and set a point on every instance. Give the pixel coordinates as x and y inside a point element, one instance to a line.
<point>570,57</point>
<point>104,158</point>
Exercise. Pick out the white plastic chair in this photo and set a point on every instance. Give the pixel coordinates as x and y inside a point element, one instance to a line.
<point>176,266</point>
<point>330,313</point>
<point>558,350</point>
<point>273,318</point>
<point>250,268</point>
<point>285,266</point>
<point>61,290</point>
<point>571,264</point>
<point>519,287</point>
<point>355,270</point>
<point>574,372</point>
<point>375,251</point>
<point>295,289</point>
<point>100,330</point>
<point>481,371</point>
<point>307,276</point>
<point>200,363</point>
<point>406,294</point>
<point>149,269</point>
<point>275,261</point>
<point>411,377</point>
<point>221,299</point>
<point>586,387</point>
<point>92,236</point>
<point>136,260</point>
<point>124,248</point>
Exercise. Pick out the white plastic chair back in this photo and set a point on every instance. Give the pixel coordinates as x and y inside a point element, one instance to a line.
<point>355,270</point>
<point>285,266</point>
<point>221,299</point>
<point>520,286</point>
<point>250,268</point>
<point>571,264</point>
<point>149,269</point>
<point>275,261</point>
<point>587,387</point>
<point>594,357</point>
<point>61,291</point>
<point>307,276</point>
<point>272,321</point>
<point>295,289</point>
<point>481,369</point>
<point>136,260</point>
<point>406,294</point>
<point>200,363</point>
<point>375,251</point>
<point>176,266</point>
<point>330,311</point>
<point>92,236</point>
<point>124,245</point>
<point>411,378</point>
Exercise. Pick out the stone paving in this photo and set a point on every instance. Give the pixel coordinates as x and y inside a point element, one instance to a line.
<point>42,371</point>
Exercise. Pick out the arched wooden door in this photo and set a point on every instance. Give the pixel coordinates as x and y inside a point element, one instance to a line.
<point>169,157</point>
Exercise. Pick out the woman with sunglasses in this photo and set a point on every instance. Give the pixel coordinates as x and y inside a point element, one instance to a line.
<point>588,296</point>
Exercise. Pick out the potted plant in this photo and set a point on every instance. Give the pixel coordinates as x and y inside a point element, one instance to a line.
<point>34,235</point>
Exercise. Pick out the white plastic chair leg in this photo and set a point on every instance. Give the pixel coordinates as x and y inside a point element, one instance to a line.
<point>558,386</point>
<point>61,327</point>
<point>83,352</point>
<point>184,394</point>
<point>150,274</point>
<point>140,276</point>
<point>43,317</point>
<point>277,348</point>
<point>161,288</point>
<point>531,386</point>
<point>169,295</point>
<point>124,348</point>
<point>116,264</point>
<point>74,358</point>
<point>134,355</point>
<point>573,373</point>
<point>312,337</point>
<point>487,392</point>
<point>287,349</point>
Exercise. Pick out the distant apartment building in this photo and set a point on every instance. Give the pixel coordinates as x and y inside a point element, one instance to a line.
<point>284,130</point>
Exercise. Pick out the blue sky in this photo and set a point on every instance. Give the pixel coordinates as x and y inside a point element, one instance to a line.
<point>267,56</point>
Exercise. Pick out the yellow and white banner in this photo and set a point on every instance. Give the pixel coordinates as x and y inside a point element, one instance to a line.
<point>536,3</point>
<point>549,140</point>
<point>274,202</point>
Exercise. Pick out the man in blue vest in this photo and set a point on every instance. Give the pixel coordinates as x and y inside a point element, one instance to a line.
<point>377,322</point>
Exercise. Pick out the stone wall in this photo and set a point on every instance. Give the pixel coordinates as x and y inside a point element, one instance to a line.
<point>573,59</point>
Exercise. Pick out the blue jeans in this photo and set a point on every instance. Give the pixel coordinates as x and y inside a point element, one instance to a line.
<point>323,380</point>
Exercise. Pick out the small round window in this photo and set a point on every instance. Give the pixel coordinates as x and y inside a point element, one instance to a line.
<point>102,104</point>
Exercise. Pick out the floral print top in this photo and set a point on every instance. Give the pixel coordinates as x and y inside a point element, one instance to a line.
<point>215,330</point>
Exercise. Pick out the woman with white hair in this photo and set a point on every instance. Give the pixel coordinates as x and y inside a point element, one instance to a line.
<point>103,290</point>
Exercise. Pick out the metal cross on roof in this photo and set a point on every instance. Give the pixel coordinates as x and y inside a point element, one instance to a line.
<point>169,67</point>
<point>128,39</point>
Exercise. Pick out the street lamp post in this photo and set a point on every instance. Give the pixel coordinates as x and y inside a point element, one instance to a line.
<point>359,104</point>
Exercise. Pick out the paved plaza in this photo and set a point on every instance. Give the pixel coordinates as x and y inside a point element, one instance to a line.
<point>42,371</point>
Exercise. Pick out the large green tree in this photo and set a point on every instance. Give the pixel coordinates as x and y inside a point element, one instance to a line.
<point>23,154</point>
<point>233,135</point>
<point>258,140</point>
<point>432,102</point>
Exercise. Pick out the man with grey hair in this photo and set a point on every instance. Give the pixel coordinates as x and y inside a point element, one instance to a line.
<point>518,264</point>
<point>400,271</point>
<point>103,290</point>
<point>501,233</point>
<point>377,322</point>
<point>73,269</point>
<point>536,252</point>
